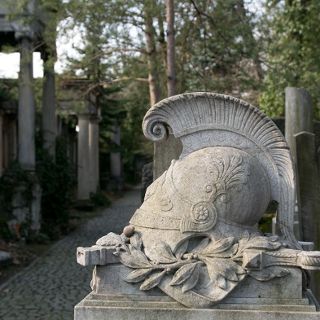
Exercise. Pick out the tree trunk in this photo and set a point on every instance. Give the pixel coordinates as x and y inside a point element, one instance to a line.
<point>153,80</point>
<point>171,72</point>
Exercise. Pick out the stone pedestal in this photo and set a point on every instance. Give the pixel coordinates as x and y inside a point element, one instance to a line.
<point>113,298</point>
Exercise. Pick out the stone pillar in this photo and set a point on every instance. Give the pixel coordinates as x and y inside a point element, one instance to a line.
<point>115,158</point>
<point>49,119</point>
<point>26,110</point>
<point>298,115</point>
<point>88,156</point>
<point>1,143</point>
<point>83,157</point>
<point>164,152</point>
<point>308,185</point>
<point>94,153</point>
<point>298,111</point>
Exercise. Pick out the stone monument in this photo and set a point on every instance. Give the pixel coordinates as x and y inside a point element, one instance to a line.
<point>193,249</point>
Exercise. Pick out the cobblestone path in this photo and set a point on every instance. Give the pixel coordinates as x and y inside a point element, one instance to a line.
<point>50,287</point>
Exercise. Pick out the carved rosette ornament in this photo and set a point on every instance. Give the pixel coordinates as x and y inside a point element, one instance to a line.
<point>195,236</point>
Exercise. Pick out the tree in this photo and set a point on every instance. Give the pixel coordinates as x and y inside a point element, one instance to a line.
<point>293,52</point>
<point>171,72</point>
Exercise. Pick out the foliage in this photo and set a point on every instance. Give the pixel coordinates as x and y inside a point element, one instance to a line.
<point>292,51</point>
<point>14,180</point>
<point>8,90</point>
<point>57,183</point>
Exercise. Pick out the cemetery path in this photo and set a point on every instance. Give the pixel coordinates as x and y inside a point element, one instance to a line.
<point>50,287</point>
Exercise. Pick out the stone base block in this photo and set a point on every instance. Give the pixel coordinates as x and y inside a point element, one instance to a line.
<point>137,307</point>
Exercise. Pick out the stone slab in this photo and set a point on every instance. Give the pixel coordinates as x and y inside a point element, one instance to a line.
<point>97,308</point>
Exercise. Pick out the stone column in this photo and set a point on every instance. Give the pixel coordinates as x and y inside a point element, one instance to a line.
<point>298,115</point>
<point>83,157</point>
<point>94,153</point>
<point>115,158</point>
<point>49,119</point>
<point>1,143</point>
<point>26,110</point>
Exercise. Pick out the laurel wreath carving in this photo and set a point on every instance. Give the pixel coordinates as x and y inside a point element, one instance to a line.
<point>220,258</point>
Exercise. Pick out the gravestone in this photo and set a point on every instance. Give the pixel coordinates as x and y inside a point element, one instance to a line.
<point>193,249</point>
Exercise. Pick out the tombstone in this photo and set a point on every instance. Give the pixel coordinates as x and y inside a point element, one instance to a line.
<point>193,249</point>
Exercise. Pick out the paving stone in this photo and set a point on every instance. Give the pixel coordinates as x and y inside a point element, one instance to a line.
<point>50,287</point>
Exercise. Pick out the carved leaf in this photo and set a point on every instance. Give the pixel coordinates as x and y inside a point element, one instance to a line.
<point>136,241</point>
<point>227,269</point>
<point>133,261</point>
<point>193,280</point>
<point>137,275</point>
<point>110,240</point>
<point>181,249</point>
<point>152,281</point>
<point>269,273</point>
<point>221,282</point>
<point>204,243</point>
<point>256,242</point>
<point>161,253</point>
<point>139,256</point>
<point>183,274</point>
<point>216,247</point>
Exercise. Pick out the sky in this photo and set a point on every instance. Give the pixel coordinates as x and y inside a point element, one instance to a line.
<point>66,43</point>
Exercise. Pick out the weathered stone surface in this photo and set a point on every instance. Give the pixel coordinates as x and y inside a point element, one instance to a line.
<point>164,152</point>
<point>195,237</point>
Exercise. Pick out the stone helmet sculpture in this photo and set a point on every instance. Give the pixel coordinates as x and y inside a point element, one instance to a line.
<point>234,162</point>
<point>196,235</point>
